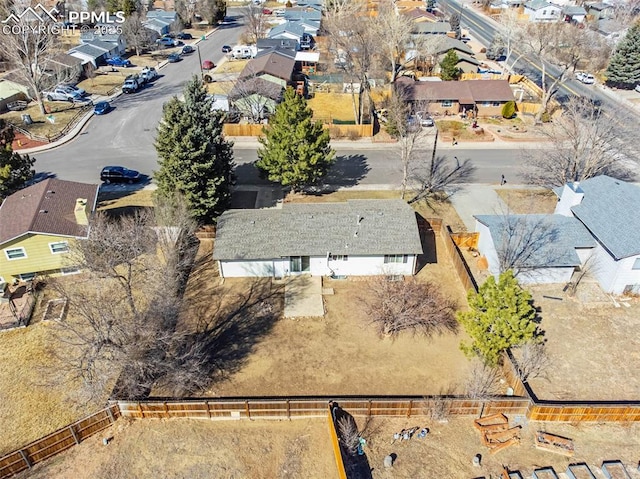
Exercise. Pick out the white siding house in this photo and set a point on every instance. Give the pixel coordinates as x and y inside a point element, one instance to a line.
<point>542,11</point>
<point>356,238</point>
<point>538,248</point>
<point>608,208</point>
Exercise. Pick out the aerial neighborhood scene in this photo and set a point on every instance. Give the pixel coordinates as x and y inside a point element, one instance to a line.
<point>320,239</point>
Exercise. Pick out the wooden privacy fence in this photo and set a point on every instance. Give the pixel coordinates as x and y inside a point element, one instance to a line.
<point>25,457</point>
<point>459,264</point>
<point>335,445</point>
<point>281,408</point>
<point>465,240</point>
<point>236,129</point>
<point>336,131</point>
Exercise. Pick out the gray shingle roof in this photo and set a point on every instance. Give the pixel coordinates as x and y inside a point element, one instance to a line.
<point>89,50</point>
<point>610,209</point>
<point>561,236</point>
<point>315,229</point>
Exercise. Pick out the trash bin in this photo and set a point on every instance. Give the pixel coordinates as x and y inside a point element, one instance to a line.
<point>26,119</point>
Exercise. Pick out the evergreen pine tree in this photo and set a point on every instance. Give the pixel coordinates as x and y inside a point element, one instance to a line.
<point>501,315</point>
<point>448,69</point>
<point>15,169</point>
<point>295,150</point>
<point>624,67</point>
<point>195,160</point>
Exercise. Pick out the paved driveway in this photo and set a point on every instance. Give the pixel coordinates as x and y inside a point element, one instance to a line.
<point>477,200</point>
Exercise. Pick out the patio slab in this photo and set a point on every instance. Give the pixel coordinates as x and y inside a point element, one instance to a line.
<point>303,297</point>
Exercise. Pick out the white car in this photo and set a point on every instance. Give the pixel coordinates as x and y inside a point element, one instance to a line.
<point>637,88</point>
<point>149,74</point>
<point>586,78</point>
<point>425,119</point>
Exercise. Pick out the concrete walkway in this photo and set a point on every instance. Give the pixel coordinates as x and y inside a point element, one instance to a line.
<point>477,199</point>
<point>303,297</point>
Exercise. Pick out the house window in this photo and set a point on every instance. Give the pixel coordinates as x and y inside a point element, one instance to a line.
<point>496,103</point>
<point>447,103</point>
<point>60,247</point>
<point>395,258</point>
<point>15,253</point>
<point>339,257</point>
<point>69,270</point>
<point>486,103</point>
<point>544,12</point>
<point>27,276</point>
<point>636,264</point>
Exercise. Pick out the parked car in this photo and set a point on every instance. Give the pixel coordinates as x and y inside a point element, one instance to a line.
<point>167,42</point>
<point>637,88</point>
<point>586,78</point>
<point>118,174</point>
<point>187,49</point>
<point>174,58</point>
<point>102,107</point>
<point>184,36</point>
<point>74,89</point>
<point>425,119</point>
<point>279,12</point>
<point>267,11</point>
<point>118,62</point>
<point>62,94</point>
<point>132,84</point>
<point>226,49</point>
<point>149,74</point>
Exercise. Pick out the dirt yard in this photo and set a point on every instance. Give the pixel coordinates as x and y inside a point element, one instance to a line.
<point>528,201</point>
<point>595,354</point>
<point>449,448</point>
<point>178,448</point>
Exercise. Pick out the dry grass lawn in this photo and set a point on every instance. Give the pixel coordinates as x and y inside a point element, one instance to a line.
<point>461,130</point>
<point>104,83</point>
<point>178,448</point>
<point>449,448</point>
<point>220,87</point>
<point>529,201</point>
<point>230,66</point>
<point>594,351</point>
<point>62,112</point>
<point>118,200</point>
<point>334,106</point>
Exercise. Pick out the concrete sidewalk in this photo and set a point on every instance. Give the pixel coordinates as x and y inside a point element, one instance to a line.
<point>476,199</point>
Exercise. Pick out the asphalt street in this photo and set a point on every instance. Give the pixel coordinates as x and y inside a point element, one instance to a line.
<point>125,136</point>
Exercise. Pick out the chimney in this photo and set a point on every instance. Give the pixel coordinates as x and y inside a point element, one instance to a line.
<point>80,212</point>
<point>571,196</point>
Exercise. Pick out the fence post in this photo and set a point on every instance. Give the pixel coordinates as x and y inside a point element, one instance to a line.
<point>369,408</point>
<point>208,409</point>
<point>110,413</point>
<point>410,407</point>
<point>73,433</point>
<point>288,410</point>
<point>25,458</point>
<point>140,410</point>
<point>246,408</point>
<point>166,409</point>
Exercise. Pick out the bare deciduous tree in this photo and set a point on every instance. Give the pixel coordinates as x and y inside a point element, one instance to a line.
<point>349,435</point>
<point>559,43</point>
<point>525,242</point>
<point>533,360</point>
<point>137,36</point>
<point>420,308</point>
<point>255,21</point>
<point>352,41</point>
<point>483,381</point>
<point>395,32</point>
<point>587,141</point>
<point>27,45</point>
<point>123,314</point>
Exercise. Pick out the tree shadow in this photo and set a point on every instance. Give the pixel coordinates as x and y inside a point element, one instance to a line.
<point>347,170</point>
<point>356,465</point>
<point>40,176</point>
<point>249,174</point>
<point>428,241</point>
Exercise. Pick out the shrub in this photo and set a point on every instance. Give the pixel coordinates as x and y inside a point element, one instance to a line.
<point>508,110</point>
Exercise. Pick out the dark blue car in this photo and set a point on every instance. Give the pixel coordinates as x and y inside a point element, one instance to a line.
<point>101,108</point>
<point>118,174</point>
<point>118,62</point>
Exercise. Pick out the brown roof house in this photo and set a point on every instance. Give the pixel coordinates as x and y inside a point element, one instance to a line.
<point>39,223</point>
<point>261,83</point>
<point>472,97</point>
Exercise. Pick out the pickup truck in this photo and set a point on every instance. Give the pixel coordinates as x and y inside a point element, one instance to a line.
<point>62,94</point>
<point>148,74</point>
<point>132,84</point>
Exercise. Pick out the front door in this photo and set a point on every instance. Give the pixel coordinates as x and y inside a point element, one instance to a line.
<point>299,264</point>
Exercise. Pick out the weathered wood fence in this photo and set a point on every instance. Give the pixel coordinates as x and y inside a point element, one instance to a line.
<point>454,253</point>
<point>25,457</point>
<point>335,445</point>
<point>336,130</point>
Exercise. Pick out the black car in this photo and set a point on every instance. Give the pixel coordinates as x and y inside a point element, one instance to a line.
<point>184,36</point>
<point>118,174</point>
<point>226,49</point>
<point>188,49</point>
<point>174,58</point>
